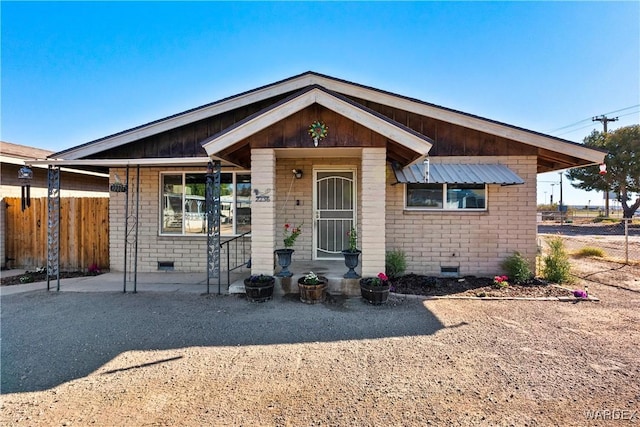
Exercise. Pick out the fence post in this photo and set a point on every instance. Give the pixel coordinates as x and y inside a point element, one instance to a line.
<point>626,241</point>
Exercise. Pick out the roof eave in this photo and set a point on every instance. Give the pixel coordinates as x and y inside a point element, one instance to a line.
<point>349,109</point>
<point>349,89</point>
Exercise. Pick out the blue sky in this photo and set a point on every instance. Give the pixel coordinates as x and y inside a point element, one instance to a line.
<point>74,71</point>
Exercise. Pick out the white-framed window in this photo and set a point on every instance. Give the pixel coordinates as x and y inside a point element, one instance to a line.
<point>446,197</point>
<point>183,206</point>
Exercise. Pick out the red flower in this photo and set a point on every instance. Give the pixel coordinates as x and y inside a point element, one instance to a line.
<point>290,234</point>
<point>383,277</point>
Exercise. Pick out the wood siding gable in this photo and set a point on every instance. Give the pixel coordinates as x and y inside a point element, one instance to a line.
<point>453,132</point>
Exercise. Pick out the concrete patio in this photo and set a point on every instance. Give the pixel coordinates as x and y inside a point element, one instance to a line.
<point>170,281</point>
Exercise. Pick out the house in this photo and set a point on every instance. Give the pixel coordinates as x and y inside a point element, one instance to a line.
<point>454,191</point>
<point>76,183</point>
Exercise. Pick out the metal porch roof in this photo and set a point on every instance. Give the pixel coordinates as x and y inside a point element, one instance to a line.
<point>440,173</point>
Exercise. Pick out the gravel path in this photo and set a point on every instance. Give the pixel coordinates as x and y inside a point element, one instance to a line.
<point>185,359</point>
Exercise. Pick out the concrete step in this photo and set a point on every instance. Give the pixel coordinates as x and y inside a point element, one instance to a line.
<point>289,285</point>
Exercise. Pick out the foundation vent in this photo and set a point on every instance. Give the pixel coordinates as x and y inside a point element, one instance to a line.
<point>165,265</point>
<point>450,271</point>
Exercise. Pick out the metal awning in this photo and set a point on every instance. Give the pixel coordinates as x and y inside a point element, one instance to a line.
<point>440,173</point>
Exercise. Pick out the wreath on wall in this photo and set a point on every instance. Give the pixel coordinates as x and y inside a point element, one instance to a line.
<point>318,130</point>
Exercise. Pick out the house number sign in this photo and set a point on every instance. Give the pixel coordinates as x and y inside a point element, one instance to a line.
<point>262,196</point>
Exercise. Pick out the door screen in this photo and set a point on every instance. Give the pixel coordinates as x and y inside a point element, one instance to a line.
<point>334,212</point>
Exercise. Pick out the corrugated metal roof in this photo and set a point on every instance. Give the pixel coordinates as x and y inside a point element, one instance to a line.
<point>458,174</point>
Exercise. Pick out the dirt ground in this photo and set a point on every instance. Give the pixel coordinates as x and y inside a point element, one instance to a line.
<point>411,362</point>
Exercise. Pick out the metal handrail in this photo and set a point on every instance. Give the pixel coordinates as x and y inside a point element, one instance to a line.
<point>238,254</point>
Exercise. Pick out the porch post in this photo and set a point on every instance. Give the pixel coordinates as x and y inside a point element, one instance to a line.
<point>263,210</point>
<point>372,235</point>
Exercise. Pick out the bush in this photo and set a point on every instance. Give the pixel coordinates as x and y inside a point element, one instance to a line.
<point>395,263</point>
<point>590,251</point>
<point>556,267</point>
<point>517,268</point>
<point>27,278</point>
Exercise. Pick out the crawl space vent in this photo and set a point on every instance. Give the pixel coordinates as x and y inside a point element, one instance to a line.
<point>450,271</point>
<point>165,265</point>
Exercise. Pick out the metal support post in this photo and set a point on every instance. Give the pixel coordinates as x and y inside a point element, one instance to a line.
<point>53,225</point>
<point>126,229</point>
<point>213,222</point>
<point>135,250</point>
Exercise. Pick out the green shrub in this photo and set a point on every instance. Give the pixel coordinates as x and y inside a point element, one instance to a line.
<point>602,218</point>
<point>517,268</point>
<point>27,278</point>
<point>395,263</point>
<point>557,268</point>
<point>590,251</point>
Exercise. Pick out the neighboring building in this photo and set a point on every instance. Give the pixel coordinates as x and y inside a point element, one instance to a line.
<point>74,182</point>
<point>454,191</point>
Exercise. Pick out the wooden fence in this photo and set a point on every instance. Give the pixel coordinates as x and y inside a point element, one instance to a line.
<point>84,233</point>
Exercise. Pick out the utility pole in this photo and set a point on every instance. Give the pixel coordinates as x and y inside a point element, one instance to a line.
<point>604,120</point>
<point>562,211</point>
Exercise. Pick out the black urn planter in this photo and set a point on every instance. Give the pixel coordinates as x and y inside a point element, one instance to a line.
<point>351,261</point>
<point>374,294</point>
<point>259,290</point>
<point>284,261</point>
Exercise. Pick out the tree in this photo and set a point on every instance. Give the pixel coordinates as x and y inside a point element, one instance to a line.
<point>623,166</point>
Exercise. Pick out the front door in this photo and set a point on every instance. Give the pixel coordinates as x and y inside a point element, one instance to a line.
<point>334,206</point>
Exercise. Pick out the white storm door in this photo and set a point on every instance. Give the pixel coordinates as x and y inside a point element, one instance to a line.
<point>334,206</point>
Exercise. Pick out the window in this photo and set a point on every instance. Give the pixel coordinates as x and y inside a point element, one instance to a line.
<point>183,204</point>
<point>446,196</point>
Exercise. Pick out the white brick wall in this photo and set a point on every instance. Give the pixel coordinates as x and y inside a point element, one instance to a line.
<point>287,209</point>
<point>189,253</point>
<point>372,193</point>
<point>263,213</point>
<point>476,242</point>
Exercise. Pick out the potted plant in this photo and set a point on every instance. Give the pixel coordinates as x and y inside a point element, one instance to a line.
<point>313,288</point>
<point>351,255</point>
<point>259,287</point>
<point>290,234</point>
<point>375,290</point>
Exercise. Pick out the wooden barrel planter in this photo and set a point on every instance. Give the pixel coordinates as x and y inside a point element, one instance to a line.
<point>374,294</point>
<point>259,290</point>
<point>313,294</point>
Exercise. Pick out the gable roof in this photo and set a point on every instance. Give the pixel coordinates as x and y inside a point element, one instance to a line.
<point>311,95</point>
<point>545,143</point>
<point>24,152</point>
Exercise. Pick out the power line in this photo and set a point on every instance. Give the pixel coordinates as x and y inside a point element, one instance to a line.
<point>575,130</point>
<point>568,126</point>
<point>628,114</point>
<point>590,125</point>
<point>589,118</point>
<point>622,109</point>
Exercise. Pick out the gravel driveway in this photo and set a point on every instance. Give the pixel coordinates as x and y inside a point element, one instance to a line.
<point>186,359</point>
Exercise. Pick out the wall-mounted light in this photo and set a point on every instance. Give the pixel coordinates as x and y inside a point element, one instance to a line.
<point>297,173</point>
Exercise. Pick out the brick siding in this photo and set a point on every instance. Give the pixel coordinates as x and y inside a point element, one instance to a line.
<point>476,242</point>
